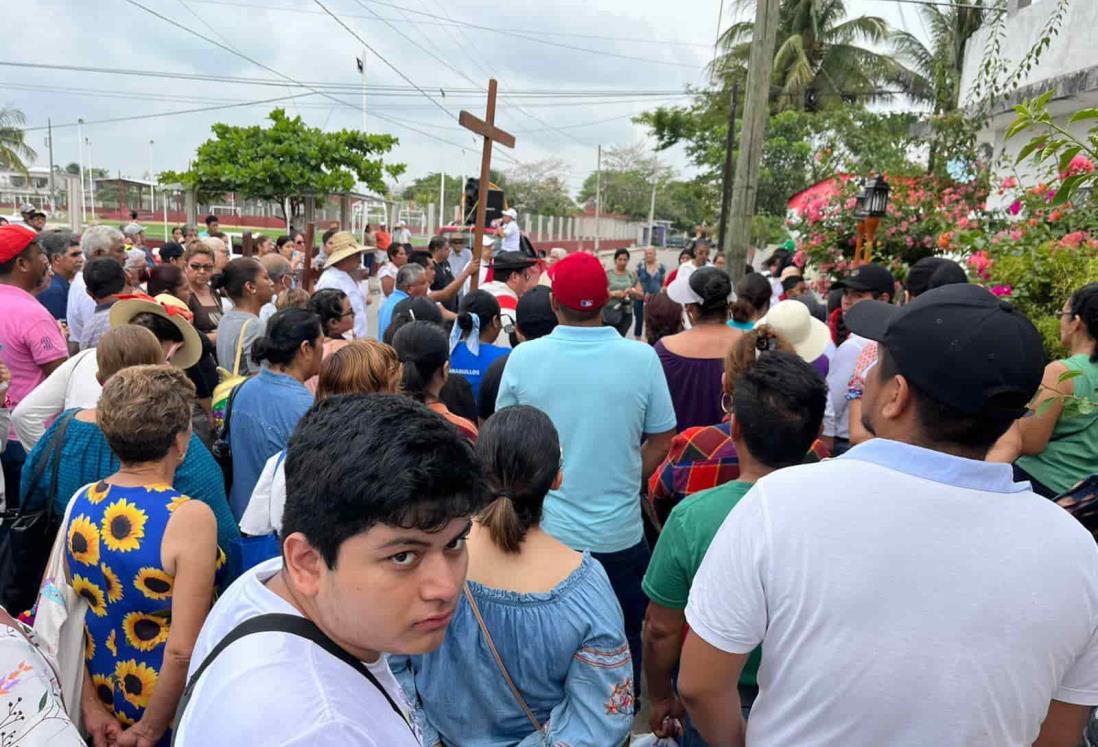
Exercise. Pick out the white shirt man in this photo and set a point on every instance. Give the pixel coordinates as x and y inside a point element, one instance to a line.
<point>403,235</point>
<point>905,594</point>
<point>97,241</point>
<point>336,275</point>
<point>511,233</point>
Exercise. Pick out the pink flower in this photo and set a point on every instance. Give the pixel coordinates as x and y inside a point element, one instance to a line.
<point>981,264</point>
<point>909,241</point>
<point>1015,207</point>
<point>1002,290</point>
<point>1079,165</point>
<point>1016,235</point>
<point>1009,183</point>
<point>904,226</point>
<point>851,203</point>
<point>800,258</point>
<point>1074,239</point>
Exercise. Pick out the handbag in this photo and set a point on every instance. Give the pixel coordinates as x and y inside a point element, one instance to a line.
<point>499,663</point>
<point>59,624</point>
<point>26,534</point>
<point>612,316</point>
<point>292,625</point>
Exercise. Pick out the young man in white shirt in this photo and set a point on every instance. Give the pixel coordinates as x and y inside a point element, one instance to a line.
<point>509,228</point>
<point>344,258</point>
<point>97,241</point>
<point>907,593</point>
<point>513,274</point>
<point>870,282</point>
<point>379,495</point>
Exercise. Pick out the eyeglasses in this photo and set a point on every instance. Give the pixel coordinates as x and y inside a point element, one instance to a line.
<point>202,268</point>
<point>347,314</point>
<point>300,242</point>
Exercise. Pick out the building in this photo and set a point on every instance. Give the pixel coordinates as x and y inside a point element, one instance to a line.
<point>1069,66</point>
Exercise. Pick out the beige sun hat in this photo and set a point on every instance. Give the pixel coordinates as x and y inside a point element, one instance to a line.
<point>169,307</point>
<point>343,245</point>
<point>791,321</point>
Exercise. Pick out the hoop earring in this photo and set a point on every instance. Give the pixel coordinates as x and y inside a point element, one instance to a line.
<point>726,403</point>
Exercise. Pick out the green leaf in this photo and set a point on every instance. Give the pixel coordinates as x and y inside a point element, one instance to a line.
<point>1086,407</point>
<point>1030,147</point>
<point>1044,98</point>
<point>1068,375</point>
<point>42,700</point>
<point>1083,114</point>
<point>1046,406</point>
<point>1067,189</point>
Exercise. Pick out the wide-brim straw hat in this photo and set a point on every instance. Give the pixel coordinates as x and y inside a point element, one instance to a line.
<point>792,321</point>
<point>169,307</point>
<point>343,245</point>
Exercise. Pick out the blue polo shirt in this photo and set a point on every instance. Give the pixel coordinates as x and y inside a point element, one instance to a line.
<point>603,393</point>
<point>56,297</point>
<point>385,313</point>
<point>473,367</point>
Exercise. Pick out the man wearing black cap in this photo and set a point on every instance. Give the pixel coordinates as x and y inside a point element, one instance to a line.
<point>870,282</point>
<point>512,277</point>
<point>908,593</point>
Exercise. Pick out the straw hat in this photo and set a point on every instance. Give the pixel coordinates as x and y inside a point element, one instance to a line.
<point>343,245</point>
<point>169,307</point>
<point>792,321</point>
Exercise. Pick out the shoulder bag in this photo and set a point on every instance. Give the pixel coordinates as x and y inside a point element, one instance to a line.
<point>26,533</point>
<point>292,625</point>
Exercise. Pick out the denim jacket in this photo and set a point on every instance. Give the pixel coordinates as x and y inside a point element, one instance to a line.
<point>565,651</point>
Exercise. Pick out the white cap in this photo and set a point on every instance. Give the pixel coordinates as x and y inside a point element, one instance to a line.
<point>791,321</point>
<point>401,224</point>
<point>680,290</point>
<point>511,213</point>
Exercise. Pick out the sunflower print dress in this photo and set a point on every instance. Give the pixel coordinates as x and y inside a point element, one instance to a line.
<point>113,552</point>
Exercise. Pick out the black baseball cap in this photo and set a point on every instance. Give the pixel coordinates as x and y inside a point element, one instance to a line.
<point>512,261</point>
<point>933,272</point>
<point>870,277</point>
<point>961,345</point>
<point>534,315</point>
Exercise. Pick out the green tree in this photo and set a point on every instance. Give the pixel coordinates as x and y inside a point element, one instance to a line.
<point>823,59</point>
<point>424,190</point>
<point>951,27</point>
<point>539,187</point>
<point>286,161</point>
<point>14,151</point>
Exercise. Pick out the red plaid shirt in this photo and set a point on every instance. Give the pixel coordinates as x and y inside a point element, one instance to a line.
<point>700,458</point>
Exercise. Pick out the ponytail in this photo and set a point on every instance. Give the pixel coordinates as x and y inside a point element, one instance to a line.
<point>424,350</point>
<point>752,297</point>
<point>519,450</point>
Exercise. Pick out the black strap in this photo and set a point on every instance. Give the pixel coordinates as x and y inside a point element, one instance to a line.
<point>52,452</point>
<point>227,420</point>
<point>294,625</point>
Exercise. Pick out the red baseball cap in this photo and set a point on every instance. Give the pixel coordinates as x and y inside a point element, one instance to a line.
<point>14,239</point>
<point>579,282</point>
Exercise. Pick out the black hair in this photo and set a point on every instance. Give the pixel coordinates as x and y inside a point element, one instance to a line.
<point>479,303</point>
<point>779,260</point>
<point>327,304</point>
<point>530,315</point>
<point>933,272</point>
<point>424,349</point>
<point>393,249</point>
<point>57,241</point>
<point>436,243</point>
<point>170,251</point>
<point>397,464</point>
<point>714,286</point>
<point>1084,304</point>
<point>503,274</point>
<point>791,282</point>
<point>414,309</point>
<point>944,424</point>
<point>283,240</point>
<point>753,294</point>
<point>133,215</point>
<point>779,405</point>
<point>286,330</point>
<point>748,269</point>
<point>686,253</point>
<point>519,450</point>
<point>327,235</point>
<point>164,279</point>
<point>619,252</point>
<point>211,219</point>
<point>421,258</point>
<point>237,274</point>
<point>575,316</point>
<point>161,328</point>
<point>104,276</point>
<point>7,268</point>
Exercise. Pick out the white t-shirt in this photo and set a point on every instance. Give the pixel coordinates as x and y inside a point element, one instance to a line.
<point>72,384</point>
<point>336,278</point>
<point>905,597</point>
<point>280,689</point>
<point>79,308</point>
<point>511,241</point>
<point>842,367</point>
<point>263,514</point>
<point>388,270</point>
<point>508,309</point>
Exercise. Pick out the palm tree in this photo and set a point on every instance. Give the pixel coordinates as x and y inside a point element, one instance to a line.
<point>822,59</point>
<point>14,151</point>
<point>941,64</point>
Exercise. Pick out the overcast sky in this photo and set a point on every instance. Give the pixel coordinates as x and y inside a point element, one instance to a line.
<point>661,46</point>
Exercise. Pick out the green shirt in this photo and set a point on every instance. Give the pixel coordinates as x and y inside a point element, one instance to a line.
<point>617,282</point>
<point>1072,451</point>
<point>681,548</point>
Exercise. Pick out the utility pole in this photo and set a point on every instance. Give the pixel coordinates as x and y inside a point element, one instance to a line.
<point>652,207</point>
<point>362,69</point>
<point>152,182</point>
<point>441,199</point>
<point>726,187</point>
<point>53,194</point>
<point>741,204</point>
<point>598,199</point>
<point>80,150</point>
<point>91,177</point>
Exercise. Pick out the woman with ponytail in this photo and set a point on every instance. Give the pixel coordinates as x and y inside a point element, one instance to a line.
<point>424,354</point>
<point>1055,448</point>
<point>548,611</point>
<point>478,325</point>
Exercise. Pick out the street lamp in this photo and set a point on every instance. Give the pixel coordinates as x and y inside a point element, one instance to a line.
<point>870,206</point>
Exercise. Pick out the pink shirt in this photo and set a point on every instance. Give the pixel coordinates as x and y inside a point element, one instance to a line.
<point>31,338</point>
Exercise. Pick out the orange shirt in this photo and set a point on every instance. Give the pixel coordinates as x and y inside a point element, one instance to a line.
<point>466,427</point>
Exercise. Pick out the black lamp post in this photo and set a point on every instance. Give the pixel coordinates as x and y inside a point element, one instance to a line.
<point>870,206</point>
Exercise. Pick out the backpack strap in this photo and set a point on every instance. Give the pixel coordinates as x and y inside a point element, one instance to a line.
<point>50,455</point>
<point>240,347</point>
<point>279,622</point>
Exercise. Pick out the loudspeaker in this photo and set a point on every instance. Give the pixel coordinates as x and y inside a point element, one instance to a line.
<point>495,203</point>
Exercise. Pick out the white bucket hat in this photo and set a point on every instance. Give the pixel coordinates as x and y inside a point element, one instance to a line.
<point>791,321</point>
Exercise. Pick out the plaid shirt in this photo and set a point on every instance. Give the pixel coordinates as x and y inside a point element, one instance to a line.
<point>700,458</point>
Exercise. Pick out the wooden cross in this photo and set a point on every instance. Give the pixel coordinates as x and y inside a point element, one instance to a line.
<point>487,129</point>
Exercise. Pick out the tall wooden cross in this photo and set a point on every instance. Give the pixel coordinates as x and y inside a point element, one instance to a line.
<point>487,129</point>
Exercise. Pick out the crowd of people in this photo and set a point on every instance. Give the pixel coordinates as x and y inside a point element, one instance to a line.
<point>572,504</point>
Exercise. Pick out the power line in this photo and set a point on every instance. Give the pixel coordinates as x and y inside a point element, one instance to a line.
<point>946,4</point>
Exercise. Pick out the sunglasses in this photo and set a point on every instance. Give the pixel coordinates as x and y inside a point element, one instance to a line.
<point>202,268</point>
